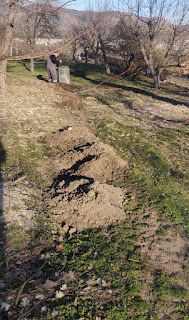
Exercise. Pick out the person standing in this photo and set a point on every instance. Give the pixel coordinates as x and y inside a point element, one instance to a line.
<point>52,64</point>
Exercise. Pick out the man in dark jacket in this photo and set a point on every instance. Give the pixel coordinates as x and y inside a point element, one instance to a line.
<point>52,64</point>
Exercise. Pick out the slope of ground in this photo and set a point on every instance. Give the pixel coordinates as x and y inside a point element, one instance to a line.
<point>94,202</point>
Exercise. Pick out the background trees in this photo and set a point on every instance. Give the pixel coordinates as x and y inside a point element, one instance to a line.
<point>98,41</point>
<point>157,27</point>
<point>126,48</point>
<point>39,23</point>
<point>153,32</point>
<point>39,20</point>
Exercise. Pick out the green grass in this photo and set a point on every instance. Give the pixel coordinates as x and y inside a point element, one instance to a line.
<point>24,158</point>
<point>15,235</point>
<point>106,265</point>
<point>23,69</point>
<point>152,171</point>
<point>109,255</point>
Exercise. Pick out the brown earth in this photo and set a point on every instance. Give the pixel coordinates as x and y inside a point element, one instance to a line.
<point>69,96</point>
<point>80,195</point>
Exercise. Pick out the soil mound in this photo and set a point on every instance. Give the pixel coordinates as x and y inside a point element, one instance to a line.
<point>80,195</point>
<point>70,97</point>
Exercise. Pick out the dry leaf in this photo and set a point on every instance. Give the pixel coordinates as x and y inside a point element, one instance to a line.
<point>59,294</point>
<point>49,284</point>
<point>59,247</point>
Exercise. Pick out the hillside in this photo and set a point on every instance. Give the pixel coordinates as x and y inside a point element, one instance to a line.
<point>94,197</point>
<point>67,19</point>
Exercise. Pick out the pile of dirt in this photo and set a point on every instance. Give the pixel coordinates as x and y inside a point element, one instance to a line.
<point>81,195</point>
<point>70,97</point>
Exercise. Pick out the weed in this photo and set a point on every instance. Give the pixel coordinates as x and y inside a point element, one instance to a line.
<point>43,228</point>
<point>15,235</point>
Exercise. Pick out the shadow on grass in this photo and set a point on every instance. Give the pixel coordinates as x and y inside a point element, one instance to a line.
<point>25,65</point>
<point>40,77</point>
<point>2,229</point>
<point>143,92</point>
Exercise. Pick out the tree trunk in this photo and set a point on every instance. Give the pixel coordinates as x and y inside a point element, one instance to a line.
<point>74,54</point>
<point>5,45</point>
<point>156,78</point>
<point>107,68</point>
<point>3,68</point>
<point>86,56</point>
<point>32,65</point>
<point>96,60</point>
<point>105,57</point>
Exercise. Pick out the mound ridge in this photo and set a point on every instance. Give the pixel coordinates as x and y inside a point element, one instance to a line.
<point>81,195</point>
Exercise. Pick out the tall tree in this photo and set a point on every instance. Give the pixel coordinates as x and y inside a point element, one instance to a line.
<point>126,49</point>
<point>101,11</point>
<point>157,26</point>
<point>5,43</point>
<point>98,41</point>
<point>43,15</point>
<point>40,23</point>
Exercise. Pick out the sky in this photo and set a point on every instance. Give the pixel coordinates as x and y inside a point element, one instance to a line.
<point>84,4</point>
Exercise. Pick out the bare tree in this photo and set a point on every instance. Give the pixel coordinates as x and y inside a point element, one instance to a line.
<point>5,43</point>
<point>81,27</point>
<point>99,40</point>
<point>88,41</point>
<point>42,23</point>
<point>157,25</point>
<point>103,35</point>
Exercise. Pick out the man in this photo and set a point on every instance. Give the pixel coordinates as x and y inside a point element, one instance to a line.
<point>52,64</point>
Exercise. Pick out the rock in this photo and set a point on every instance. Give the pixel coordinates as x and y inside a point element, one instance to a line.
<point>91,194</point>
<point>40,297</point>
<point>25,302</point>
<point>4,306</point>
<point>43,309</point>
<point>2,284</point>
<point>65,228</point>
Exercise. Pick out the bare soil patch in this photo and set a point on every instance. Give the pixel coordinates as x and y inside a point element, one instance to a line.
<point>70,97</point>
<point>164,249</point>
<point>80,195</point>
<point>18,203</point>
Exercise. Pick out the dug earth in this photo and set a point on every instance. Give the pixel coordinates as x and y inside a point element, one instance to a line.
<point>82,194</point>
